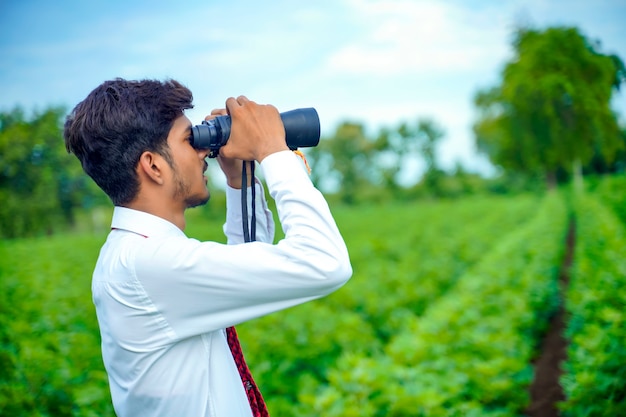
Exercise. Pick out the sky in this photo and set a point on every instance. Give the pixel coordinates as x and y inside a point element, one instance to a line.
<point>376,62</point>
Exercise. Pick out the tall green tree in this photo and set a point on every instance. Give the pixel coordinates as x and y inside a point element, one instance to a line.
<point>551,111</point>
<point>40,184</point>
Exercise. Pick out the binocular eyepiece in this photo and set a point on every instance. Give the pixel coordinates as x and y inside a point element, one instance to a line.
<point>302,129</point>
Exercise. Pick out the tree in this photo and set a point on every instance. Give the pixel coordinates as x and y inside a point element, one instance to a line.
<point>363,167</point>
<point>395,147</point>
<point>598,165</point>
<point>40,184</point>
<point>345,159</point>
<point>430,135</point>
<point>551,110</point>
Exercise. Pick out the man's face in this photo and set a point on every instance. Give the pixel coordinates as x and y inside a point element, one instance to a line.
<point>189,165</point>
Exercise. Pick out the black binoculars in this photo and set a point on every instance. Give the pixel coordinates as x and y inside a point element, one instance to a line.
<point>302,129</point>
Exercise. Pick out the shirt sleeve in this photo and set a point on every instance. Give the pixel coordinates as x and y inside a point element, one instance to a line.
<point>205,286</point>
<point>233,228</point>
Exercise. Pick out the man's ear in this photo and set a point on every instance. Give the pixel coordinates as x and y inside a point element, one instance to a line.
<point>151,166</point>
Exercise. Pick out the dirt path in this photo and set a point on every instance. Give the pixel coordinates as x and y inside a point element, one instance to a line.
<point>545,390</point>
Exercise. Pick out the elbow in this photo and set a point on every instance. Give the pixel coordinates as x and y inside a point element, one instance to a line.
<point>345,271</point>
<point>338,270</point>
<point>325,267</point>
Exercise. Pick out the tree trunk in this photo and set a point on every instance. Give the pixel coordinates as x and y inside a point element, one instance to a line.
<point>551,180</point>
<point>577,172</point>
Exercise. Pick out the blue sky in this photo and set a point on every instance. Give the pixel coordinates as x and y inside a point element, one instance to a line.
<point>378,62</point>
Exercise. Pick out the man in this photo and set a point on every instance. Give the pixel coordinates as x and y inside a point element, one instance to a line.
<point>163,300</point>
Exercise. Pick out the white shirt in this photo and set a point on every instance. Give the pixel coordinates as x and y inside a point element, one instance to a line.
<point>163,299</point>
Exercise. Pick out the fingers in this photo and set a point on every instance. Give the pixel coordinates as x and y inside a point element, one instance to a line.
<point>215,113</point>
<point>233,103</point>
<point>256,129</point>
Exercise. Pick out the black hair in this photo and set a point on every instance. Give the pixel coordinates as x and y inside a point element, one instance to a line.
<point>116,123</point>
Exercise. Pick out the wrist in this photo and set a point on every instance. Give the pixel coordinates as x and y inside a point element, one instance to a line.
<point>275,148</point>
<point>234,181</point>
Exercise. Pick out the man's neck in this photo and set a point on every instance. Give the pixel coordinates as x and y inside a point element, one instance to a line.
<point>169,212</point>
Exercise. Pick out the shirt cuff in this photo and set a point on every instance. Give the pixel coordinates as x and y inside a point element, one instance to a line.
<point>265,221</point>
<point>276,165</point>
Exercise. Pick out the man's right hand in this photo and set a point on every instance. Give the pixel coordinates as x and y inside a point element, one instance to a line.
<point>256,130</point>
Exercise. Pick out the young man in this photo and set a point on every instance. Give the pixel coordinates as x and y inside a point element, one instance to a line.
<point>164,300</point>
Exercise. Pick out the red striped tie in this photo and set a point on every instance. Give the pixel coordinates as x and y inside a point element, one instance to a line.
<point>252,391</point>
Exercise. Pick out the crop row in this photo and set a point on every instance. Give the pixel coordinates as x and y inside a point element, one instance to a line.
<point>409,258</point>
<point>404,257</point>
<point>595,371</point>
<point>470,352</point>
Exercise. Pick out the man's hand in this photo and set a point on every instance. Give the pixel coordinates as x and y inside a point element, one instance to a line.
<point>256,130</point>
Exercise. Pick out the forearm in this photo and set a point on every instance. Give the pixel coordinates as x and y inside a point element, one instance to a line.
<point>234,174</point>
<point>305,217</point>
<point>233,228</point>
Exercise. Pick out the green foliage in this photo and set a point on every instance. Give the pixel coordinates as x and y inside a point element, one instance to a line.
<point>354,164</point>
<point>345,158</point>
<point>470,351</point>
<point>309,340</point>
<point>417,251</point>
<point>442,316</point>
<point>611,191</point>
<point>595,376</point>
<point>49,340</point>
<point>396,147</point>
<point>40,184</point>
<point>404,256</point>
<point>552,107</point>
<point>431,135</point>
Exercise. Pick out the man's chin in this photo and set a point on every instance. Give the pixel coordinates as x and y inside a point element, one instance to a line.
<point>198,201</point>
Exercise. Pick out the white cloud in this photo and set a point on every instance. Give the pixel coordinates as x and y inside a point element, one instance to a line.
<point>419,37</point>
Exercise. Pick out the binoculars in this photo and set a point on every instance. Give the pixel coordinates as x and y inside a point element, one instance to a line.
<point>302,129</point>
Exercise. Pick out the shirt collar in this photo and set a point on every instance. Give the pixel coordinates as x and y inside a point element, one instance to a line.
<point>143,223</point>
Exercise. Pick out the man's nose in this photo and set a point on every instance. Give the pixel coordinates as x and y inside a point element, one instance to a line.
<point>203,153</point>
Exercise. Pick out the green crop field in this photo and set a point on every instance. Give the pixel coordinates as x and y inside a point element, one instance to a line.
<point>443,317</point>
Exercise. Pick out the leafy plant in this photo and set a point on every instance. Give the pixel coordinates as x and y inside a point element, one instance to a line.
<point>50,343</point>
<point>595,376</point>
<point>470,351</point>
